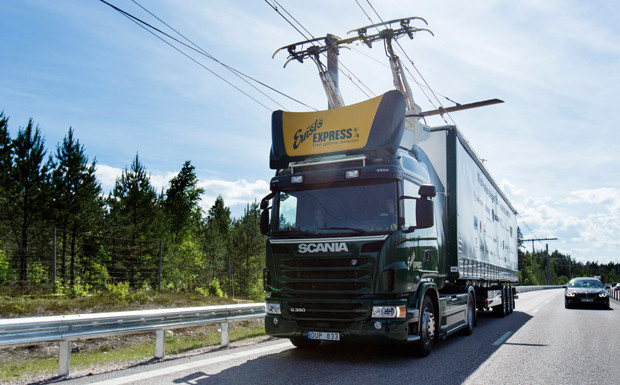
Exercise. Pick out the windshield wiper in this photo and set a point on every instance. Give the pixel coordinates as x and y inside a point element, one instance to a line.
<point>355,230</point>
<point>293,232</point>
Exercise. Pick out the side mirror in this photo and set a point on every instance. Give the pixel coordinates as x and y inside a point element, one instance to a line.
<point>264,215</point>
<point>424,210</point>
<point>264,222</point>
<point>424,213</point>
<point>427,190</point>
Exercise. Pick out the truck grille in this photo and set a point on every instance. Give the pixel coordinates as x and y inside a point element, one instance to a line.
<point>345,276</point>
<point>326,292</point>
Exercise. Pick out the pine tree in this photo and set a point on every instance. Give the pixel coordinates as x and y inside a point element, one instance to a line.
<point>181,205</point>
<point>216,230</point>
<point>247,248</point>
<point>28,189</point>
<point>135,215</point>
<point>77,205</point>
<point>6,162</point>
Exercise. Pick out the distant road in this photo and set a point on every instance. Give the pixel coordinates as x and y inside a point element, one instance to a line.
<point>540,343</point>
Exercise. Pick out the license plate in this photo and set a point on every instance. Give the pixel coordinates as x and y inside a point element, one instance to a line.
<point>587,300</point>
<point>325,336</point>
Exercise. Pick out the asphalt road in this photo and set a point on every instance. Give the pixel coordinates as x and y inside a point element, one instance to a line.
<point>540,343</point>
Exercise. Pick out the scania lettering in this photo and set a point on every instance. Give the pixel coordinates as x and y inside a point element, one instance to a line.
<point>322,247</point>
<point>379,228</point>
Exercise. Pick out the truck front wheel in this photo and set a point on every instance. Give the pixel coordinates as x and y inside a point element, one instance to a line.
<point>428,328</point>
<point>471,315</point>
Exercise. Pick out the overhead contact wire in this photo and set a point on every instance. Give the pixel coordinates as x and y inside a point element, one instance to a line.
<point>201,52</point>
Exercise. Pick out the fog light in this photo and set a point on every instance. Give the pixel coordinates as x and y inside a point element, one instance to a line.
<point>378,325</point>
<point>352,174</point>
<point>272,308</point>
<point>297,179</point>
<point>275,320</point>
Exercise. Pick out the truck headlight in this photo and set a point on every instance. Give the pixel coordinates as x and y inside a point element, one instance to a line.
<point>389,311</point>
<point>272,308</point>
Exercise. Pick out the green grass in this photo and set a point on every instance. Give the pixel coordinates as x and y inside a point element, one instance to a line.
<point>179,342</point>
<point>28,362</point>
<point>38,306</point>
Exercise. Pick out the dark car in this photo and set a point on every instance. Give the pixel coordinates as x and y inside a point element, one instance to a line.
<point>586,291</point>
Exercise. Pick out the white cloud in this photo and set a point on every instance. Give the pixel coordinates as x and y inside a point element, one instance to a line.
<point>586,222</point>
<point>236,194</point>
<point>106,175</point>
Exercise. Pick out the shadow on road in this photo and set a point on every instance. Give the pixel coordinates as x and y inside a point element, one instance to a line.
<point>452,361</point>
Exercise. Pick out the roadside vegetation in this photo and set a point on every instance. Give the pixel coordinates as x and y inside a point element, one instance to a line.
<point>41,361</point>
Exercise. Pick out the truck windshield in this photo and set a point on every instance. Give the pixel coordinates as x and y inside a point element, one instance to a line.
<point>351,209</point>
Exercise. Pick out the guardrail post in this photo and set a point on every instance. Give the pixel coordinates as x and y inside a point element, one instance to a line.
<point>225,338</point>
<point>64,358</point>
<point>160,343</point>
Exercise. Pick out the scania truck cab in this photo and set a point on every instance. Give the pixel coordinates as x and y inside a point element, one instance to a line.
<point>379,228</point>
<point>354,246</point>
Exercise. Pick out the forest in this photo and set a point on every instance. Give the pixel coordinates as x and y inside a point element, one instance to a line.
<point>60,233</point>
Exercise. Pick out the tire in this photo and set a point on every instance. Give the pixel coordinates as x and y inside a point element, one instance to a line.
<point>566,305</point>
<point>428,329</point>
<point>510,299</point>
<point>471,315</point>
<point>500,311</point>
<point>304,343</point>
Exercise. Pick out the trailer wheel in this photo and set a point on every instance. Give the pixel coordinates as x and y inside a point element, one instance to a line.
<point>501,310</point>
<point>511,300</point>
<point>428,329</point>
<point>304,343</point>
<point>471,315</point>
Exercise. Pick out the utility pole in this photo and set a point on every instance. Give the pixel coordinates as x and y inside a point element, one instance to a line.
<point>332,62</point>
<point>538,239</point>
<point>546,252</point>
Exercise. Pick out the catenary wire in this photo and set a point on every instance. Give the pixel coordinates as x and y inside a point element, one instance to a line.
<point>234,71</point>
<point>130,17</point>
<point>199,50</point>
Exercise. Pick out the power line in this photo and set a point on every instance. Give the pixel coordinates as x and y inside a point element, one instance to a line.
<point>142,25</point>
<point>200,51</point>
<point>237,73</point>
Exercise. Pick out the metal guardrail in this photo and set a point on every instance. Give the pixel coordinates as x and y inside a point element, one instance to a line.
<point>523,289</point>
<point>67,328</point>
<point>615,293</point>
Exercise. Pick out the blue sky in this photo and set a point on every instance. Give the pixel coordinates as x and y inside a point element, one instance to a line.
<point>553,146</point>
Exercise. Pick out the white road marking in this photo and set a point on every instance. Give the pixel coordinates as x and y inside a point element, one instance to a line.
<point>502,339</point>
<point>194,364</point>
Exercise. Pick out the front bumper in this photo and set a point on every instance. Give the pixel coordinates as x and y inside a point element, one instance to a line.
<point>391,331</point>
<point>587,301</point>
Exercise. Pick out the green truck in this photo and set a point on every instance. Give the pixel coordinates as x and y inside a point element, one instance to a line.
<point>379,233</point>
